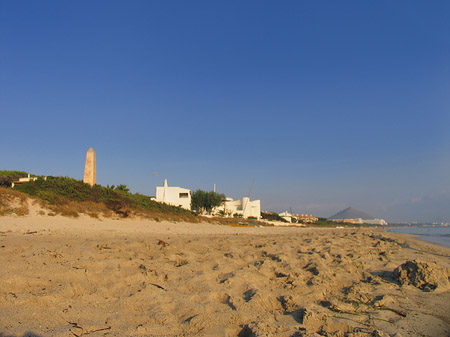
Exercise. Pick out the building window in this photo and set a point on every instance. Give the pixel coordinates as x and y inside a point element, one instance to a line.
<point>183,195</point>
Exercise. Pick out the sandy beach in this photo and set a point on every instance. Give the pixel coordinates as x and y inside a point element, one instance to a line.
<point>90,277</point>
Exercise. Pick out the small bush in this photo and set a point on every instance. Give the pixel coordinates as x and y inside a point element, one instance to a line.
<point>69,212</point>
<point>13,202</point>
<point>93,215</point>
<point>21,211</point>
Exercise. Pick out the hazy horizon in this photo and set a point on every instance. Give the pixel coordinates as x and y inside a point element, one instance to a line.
<point>323,105</point>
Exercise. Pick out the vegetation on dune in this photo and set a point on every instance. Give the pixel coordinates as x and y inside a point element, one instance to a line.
<point>13,202</point>
<point>7,177</point>
<point>69,196</point>
<point>13,174</point>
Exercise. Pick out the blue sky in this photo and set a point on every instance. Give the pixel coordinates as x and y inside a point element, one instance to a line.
<point>323,104</point>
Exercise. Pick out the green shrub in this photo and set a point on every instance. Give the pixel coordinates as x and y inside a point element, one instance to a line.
<point>60,191</point>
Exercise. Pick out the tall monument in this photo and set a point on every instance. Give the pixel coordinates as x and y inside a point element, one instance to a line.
<point>89,168</point>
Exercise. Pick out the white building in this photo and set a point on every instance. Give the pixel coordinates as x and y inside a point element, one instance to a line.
<point>380,222</point>
<point>25,180</point>
<point>286,216</point>
<point>360,221</point>
<point>175,196</point>
<point>243,207</point>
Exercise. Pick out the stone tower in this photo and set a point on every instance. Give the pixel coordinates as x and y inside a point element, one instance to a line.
<point>89,168</point>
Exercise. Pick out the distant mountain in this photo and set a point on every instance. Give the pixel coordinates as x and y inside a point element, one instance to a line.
<point>351,213</point>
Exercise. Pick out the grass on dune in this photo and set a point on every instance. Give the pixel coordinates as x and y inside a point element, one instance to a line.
<point>71,197</point>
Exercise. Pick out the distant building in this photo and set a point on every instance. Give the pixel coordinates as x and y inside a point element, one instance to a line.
<point>173,195</point>
<point>25,180</point>
<point>242,207</point>
<point>380,222</point>
<point>359,221</point>
<point>304,218</point>
<point>354,216</point>
<point>286,216</point>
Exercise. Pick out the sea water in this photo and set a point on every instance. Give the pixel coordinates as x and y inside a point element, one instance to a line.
<point>435,234</point>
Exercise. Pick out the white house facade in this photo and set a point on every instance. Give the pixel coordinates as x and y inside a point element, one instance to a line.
<point>173,195</point>
<point>286,216</point>
<point>243,207</point>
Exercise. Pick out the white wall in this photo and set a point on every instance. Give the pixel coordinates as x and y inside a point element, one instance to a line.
<point>243,206</point>
<point>380,222</point>
<point>173,195</point>
<point>286,216</point>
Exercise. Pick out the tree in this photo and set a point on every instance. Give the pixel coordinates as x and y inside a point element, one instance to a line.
<point>205,201</point>
<point>122,188</point>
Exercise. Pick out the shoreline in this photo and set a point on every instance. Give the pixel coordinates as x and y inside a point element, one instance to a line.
<point>427,237</point>
<point>139,278</point>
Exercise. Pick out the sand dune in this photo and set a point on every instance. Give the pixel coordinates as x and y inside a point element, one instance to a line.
<point>65,277</point>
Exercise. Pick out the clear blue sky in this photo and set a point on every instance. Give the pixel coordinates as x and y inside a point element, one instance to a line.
<point>324,104</point>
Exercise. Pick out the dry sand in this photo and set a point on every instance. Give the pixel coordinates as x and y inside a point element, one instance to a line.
<point>88,277</point>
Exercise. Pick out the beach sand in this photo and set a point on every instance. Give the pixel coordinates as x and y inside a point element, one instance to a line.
<point>89,277</point>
